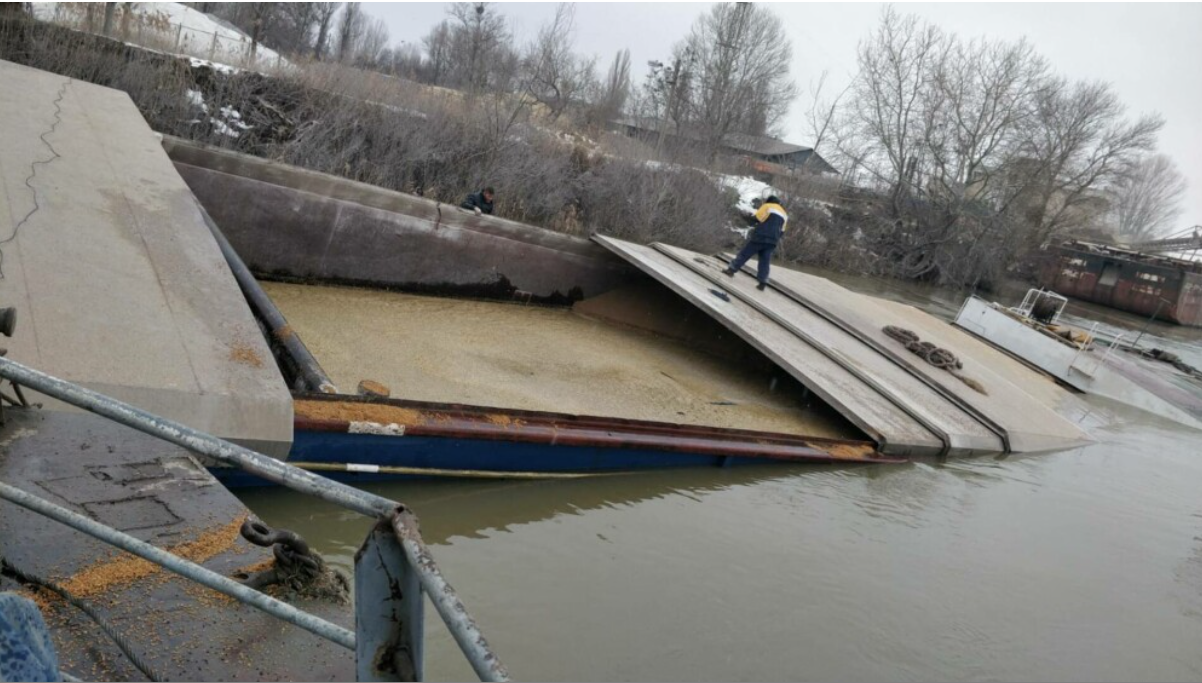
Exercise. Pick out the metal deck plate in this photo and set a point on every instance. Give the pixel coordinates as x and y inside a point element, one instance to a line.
<point>832,343</point>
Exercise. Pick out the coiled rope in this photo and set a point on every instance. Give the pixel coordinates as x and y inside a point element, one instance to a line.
<point>939,357</point>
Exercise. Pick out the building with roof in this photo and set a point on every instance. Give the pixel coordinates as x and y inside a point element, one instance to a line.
<point>767,155</point>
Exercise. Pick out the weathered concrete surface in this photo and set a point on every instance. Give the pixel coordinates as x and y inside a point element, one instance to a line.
<point>290,223</point>
<point>159,494</point>
<point>118,283</point>
<point>839,352</point>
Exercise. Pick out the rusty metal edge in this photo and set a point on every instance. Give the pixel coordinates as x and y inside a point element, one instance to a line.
<point>799,450</point>
<point>442,411</point>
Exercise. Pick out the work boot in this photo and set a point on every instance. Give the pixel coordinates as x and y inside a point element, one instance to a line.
<point>762,286</point>
<point>728,272</point>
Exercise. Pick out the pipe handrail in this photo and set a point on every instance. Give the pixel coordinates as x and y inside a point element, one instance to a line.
<point>185,568</point>
<point>446,602</point>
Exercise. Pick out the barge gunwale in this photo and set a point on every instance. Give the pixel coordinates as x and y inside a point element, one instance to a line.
<point>419,418</point>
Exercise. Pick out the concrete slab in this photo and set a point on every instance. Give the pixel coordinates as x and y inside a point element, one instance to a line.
<point>853,395</point>
<point>118,283</point>
<point>159,494</point>
<point>831,340</point>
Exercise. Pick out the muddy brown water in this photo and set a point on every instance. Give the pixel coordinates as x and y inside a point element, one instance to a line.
<point>1084,564</point>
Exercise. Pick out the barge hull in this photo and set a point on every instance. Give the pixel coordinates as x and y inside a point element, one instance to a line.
<point>1146,285</point>
<point>452,440</point>
<point>276,216</point>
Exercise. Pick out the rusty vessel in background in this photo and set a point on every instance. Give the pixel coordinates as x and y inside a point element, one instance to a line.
<point>1145,284</point>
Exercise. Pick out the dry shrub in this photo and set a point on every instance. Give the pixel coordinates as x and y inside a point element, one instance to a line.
<point>395,134</point>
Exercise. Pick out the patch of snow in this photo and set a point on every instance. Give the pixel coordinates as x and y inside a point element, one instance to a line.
<point>175,27</point>
<point>661,166</point>
<point>401,110</point>
<point>220,127</point>
<point>196,98</point>
<point>215,66</point>
<point>747,189</point>
<point>825,207</point>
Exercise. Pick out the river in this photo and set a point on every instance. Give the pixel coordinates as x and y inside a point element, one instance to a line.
<point>1084,564</point>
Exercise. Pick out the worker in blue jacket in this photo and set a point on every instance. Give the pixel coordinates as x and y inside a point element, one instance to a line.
<point>769,224</point>
<point>479,202</point>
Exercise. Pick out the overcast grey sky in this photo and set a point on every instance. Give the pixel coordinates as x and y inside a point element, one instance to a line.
<point>1151,52</point>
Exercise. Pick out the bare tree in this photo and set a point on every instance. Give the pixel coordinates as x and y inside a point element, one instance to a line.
<point>1146,198</point>
<point>260,13</point>
<point>820,117</point>
<point>109,9</point>
<point>325,17</point>
<point>438,52</point>
<point>127,13</point>
<point>349,31</point>
<point>888,109</point>
<point>1079,143</point>
<point>554,76</point>
<point>667,92</point>
<point>479,44</point>
<point>607,98</point>
<point>617,85</point>
<point>372,43</point>
<point>980,153</point>
<point>985,92</point>
<point>741,74</point>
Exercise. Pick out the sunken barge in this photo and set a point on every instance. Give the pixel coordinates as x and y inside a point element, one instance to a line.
<point>837,387</point>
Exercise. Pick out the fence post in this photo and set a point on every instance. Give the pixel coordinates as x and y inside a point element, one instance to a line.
<point>178,35</point>
<point>389,617</point>
<point>213,48</point>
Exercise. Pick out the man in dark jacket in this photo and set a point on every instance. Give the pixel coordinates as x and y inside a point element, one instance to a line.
<point>480,202</point>
<point>769,225</point>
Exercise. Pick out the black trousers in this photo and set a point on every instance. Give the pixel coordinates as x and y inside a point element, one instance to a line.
<point>763,253</point>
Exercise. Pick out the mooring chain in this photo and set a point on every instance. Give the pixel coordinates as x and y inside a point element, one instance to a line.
<point>1172,359</point>
<point>940,358</point>
<point>291,551</point>
<point>296,565</point>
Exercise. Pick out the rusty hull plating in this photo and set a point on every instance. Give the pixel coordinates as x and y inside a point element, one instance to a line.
<point>1143,284</point>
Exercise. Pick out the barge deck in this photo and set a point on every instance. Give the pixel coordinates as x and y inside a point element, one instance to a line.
<point>833,342</point>
<point>159,494</point>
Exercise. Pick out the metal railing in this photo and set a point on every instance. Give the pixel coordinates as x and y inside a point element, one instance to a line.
<point>393,569</point>
<point>1027,308</point>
